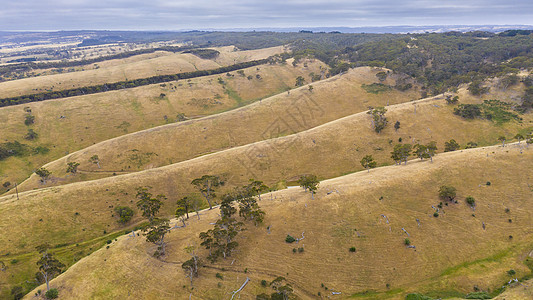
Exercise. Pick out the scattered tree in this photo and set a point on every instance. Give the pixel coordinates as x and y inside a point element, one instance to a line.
<point>124,213</point>
<point>470,201</point>
<point>309,182</point>
<point>220,240</point>
<point>72,167</point>
<point>95,160</point>
<point>451,145</point>
<point>191,266</point>
<point>381,75</point>
<point>368,162</point>
<point>447,192</point>
<point>30,119</point>
<point>182,211</point>
<point>43,173</point>
<point>147,204</point>
<point>470,145</point>
<point>452,100</point>
<point>49,267</point>
<point>206,185</point>
<point>501,138</point>
<point>300,81</point>
<point>401,152</point>
<point>431,149</point>
<point>311,88</point>
<point>397,125</point>
<point>420,151</point>
<point>519,137</point>
<point>283,291</point>
<point>379,121</point>
<point>155,233</point>
<point>31,135</point>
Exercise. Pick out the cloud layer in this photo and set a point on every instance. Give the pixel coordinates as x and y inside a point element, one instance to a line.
<point>203,14</point>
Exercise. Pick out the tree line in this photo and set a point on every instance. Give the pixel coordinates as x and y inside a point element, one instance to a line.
<point>22,67</point>
<point>125,84</point>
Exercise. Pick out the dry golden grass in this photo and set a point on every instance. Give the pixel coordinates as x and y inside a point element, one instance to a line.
<point>94,118</point>
<point>523,291</point>
<point>329,150</point>
<point>453,252</point>
<point>130,69</point>
<point>280,115</point>
<point>49,214</point>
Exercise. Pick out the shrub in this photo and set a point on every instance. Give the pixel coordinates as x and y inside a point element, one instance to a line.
<point>511,272</point>
<point>219,276</point>
<point>352,249</point>
<point>289,239</point>
<point>301,249</point>
<point>471,201</point>
<point>447,192</point>
<point>407,242</point>
<point>264,283</point>
<point>435,214</point>
<point>51,294</point>
<point>125,214</point>
<point>488,183</point>
<point>29,120</point>
<point>451,145</point>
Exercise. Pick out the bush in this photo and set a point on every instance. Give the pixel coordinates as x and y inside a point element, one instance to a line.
<point>219,276</point>
<point>51,294</point>
<point>435,214</point>
<point>125,214</point>
<point>264,283</point>
<point>289,239</point>
<point>29,120</point>
<point>407,242</point>
<point>488,183</point>
<point>447,192</point>
<point>471,201</point>
<point>352,249</point>
<point>511,272</point>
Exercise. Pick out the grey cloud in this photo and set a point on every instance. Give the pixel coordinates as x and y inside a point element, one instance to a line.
<point>199,14</point>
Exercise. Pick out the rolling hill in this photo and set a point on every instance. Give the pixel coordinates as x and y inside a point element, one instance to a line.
<point>459,249</point>
<point>279,115</point>
<point>69,124</point>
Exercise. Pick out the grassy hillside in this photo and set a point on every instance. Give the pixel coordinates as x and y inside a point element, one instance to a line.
<point>453,251</point>
<point>280,115</point>
<point>129,69</point>
<point>94,118</point>
<point>82,213</point>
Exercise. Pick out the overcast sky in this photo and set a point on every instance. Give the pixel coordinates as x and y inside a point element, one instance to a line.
<point>221,14</point>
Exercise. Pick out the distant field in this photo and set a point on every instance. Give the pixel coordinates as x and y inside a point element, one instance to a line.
<point>94,118</point>
<point>453,252</point>
<point>279,115</point>
<point>129,69</point>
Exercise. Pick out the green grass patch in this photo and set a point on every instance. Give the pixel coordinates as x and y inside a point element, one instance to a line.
<point>234,95</point>
<point>377,295</point>
<point>376,88</point>
<point>494,258</point>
